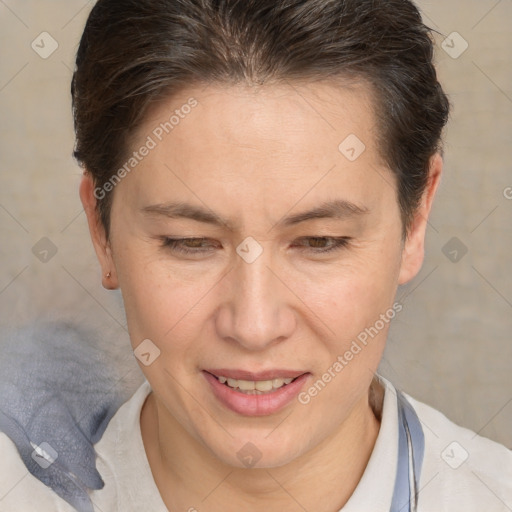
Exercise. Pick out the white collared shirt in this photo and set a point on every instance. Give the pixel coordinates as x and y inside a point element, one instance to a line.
<point>461,470</point>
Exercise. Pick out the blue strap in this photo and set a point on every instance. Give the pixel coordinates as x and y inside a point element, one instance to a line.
<point>411,449</point>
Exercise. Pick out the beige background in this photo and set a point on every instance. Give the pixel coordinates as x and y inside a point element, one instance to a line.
<point>450,347</point>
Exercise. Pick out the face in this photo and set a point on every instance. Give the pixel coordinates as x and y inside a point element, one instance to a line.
<point>261,292</point>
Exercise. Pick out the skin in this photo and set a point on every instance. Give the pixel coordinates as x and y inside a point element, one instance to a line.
<point>254,155</point>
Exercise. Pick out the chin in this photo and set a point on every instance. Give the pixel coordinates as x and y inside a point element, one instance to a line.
<point>257,452</point>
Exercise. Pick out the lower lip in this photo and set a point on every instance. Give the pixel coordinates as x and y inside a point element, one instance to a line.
<point>256,405</point>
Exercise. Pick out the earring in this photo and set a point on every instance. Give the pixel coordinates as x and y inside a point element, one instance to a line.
<point>107,275</point>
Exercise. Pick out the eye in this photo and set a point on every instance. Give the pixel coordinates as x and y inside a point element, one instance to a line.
<point>337,243</point>
<point>178,245</point>
<point>197,245</point>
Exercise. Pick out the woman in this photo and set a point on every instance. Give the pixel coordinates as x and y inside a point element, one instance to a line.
<point>258,177</point>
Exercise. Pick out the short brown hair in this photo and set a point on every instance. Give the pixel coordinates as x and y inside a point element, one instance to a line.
<point>134,52</point>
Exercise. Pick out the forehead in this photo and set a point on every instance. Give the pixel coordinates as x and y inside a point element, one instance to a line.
<point>267,116</point>
<point>243,145</point>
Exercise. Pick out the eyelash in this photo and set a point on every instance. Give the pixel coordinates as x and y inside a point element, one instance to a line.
<point>174,244</point>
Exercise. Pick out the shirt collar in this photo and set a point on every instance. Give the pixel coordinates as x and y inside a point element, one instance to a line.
<point>375,489</point>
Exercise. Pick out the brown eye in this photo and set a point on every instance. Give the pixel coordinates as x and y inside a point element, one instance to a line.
<point>319,243</point>
<point>186,245</point>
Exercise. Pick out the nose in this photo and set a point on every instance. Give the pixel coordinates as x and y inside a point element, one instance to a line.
<point>259,308</point>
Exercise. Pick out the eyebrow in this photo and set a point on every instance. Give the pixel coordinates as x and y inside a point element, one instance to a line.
<point>335,209</point>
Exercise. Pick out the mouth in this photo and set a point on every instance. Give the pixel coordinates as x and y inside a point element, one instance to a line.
<point>255,394</point>
<point>255,387</point>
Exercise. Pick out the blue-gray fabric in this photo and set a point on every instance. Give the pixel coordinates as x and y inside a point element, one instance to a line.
<point>55,389</point>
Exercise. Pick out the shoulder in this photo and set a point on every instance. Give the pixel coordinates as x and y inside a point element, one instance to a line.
<point>461,469</point>
<point>123,464</point>
<point>19,489</point>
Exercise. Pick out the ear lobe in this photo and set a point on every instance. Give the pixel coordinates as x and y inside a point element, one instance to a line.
<point>97,232</point>
<point>414,246</point>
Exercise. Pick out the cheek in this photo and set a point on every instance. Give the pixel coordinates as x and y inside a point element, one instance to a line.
<point>357,316</point>
<point>156,300</point>
<point>352,296</point>
<point>160,306</point>
<point>356,307</point>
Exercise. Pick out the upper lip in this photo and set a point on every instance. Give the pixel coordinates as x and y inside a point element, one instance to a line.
<point>255,376</point>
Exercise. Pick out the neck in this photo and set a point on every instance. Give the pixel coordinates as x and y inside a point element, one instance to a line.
<point>188,475</point>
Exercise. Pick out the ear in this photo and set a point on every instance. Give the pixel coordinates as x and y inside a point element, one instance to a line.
<point>98,234</point>
<point>413,251</point>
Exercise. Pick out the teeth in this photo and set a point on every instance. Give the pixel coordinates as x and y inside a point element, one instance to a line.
<point>277,383</point>
<point>254,387</point>
<point>247,385</point>
<point>263,385</point>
